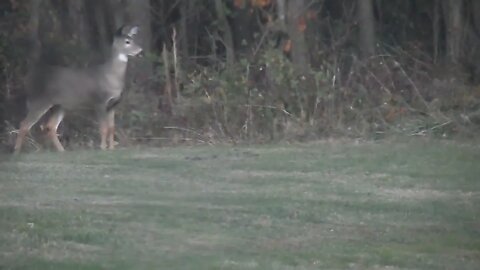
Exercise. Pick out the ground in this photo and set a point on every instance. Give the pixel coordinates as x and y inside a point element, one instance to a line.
<point>325,205</point>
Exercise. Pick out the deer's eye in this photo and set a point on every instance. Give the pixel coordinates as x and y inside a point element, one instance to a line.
<point>127,42</point>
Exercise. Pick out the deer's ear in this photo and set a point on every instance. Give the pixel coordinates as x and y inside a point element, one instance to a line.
<point>120,31</point>
<point>133,31</point>
<point>126,30</point>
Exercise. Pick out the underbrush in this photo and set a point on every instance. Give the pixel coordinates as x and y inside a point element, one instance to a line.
<point>266,100</point>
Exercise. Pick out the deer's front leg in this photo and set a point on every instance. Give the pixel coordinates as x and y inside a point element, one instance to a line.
<point>52,126</point>
<point>102,115</point>
<point>107,129</point>
<point>111,129</point>
<point>103,133</point>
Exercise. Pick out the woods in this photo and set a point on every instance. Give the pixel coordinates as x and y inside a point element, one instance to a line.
<point>258,70</point>
<point>239,134</point>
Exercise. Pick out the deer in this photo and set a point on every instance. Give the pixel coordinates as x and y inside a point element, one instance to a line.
<point>55,90</point>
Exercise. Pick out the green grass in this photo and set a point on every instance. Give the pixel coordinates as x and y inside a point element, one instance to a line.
<point>409,205</point>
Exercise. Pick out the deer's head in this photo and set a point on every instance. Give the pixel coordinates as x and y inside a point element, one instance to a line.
<point>124,43</point>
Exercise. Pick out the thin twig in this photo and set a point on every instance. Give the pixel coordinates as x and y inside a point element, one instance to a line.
<point>424,131</point>
<point>185,129</point>
<point>168,139</point>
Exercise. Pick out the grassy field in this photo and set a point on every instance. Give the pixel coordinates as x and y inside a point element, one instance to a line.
<point>408,205</point>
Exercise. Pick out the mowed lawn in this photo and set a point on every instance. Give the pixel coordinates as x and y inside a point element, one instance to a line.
<point>332,205</point>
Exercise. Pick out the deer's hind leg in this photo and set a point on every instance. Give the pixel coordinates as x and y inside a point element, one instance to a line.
<point>106,113</point>
<point>35,112</point>
<point>52,125</point>
<point>111,129</point>
<point>107,130</point>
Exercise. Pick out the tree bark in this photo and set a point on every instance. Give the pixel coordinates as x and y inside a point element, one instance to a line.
<point>296,32</point>
<point>453,13</point>
<point>367,27</point>
<point>33,24</point>
<point>183,30</point>
<point>243,27</point>
<point>281,12</point>
<point>436,30</point>
<point>137,12</point>
<point>101,24</point>
<point>227,34</point>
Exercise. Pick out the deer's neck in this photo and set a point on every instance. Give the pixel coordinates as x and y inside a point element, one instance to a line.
<point>117,64</point>
<point>114,72</point>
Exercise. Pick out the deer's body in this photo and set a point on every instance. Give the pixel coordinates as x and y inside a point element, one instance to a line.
<point>59,88</point>
<point>74,88</point>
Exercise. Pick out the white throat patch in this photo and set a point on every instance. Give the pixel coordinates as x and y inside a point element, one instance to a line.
<point>123,57</point>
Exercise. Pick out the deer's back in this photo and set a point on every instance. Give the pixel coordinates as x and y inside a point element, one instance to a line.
<point>67,87</point>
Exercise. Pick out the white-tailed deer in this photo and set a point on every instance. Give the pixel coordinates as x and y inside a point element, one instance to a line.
<point>56,89</point>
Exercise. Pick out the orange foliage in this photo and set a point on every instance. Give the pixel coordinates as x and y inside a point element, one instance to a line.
<point>311,14</point>
<point>394,113</point>
<point>287,47</point>
<point>302,24</point>
<point>260,3</point>
<point>239,3</point>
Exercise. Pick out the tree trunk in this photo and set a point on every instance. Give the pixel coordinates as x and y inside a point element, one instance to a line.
<point>436,30</point>
<point>183,30</point>
<point>227,33</point>
<point>101,24</point>
<point>33,25</point>
<point>138,12</point>
<point>453,13</point>
<point>296,32</point>
<point>281,12</point>
<point>243,25</point>
<point>367,27</point>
